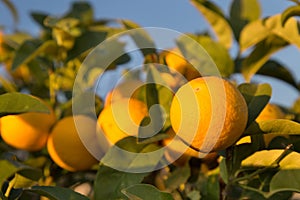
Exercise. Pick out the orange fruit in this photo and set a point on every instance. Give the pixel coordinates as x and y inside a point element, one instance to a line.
<point>27,131</point>
<point>66,147</point>
<point>122,118</point>
<point>209,114</point>
<point>176,61</point>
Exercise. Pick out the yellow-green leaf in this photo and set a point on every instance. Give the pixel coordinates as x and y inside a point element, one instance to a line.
<point>217,21</point>
<point>290,12</point>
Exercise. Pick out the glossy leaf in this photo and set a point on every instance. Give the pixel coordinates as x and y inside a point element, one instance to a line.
<point>110,182</point>
<point>290,12</point>
<point>256,96</point>
<point>85,42</point>
<point>277,70</point>
<point>217,21</point>
<point>16,103</point>
<point>243,12</point>
<point>275,126</point>
<point>261,54</point>
<point>31,49</point>
<point>145,192</point>
<point>177,177</point>
<point>219,55</point>
<point>56,193</point>
<point>141,38</point>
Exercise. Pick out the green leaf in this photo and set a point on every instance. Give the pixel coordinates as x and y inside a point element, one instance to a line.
<point>256,96</point>
<point>85,42</point>
<point>279,183</point>
<point>277,70</point>
<point>7,170</point>
<point>12,9</point>
<point>130,156</point>
<point>39,18</point>
<point>256,28</point>
<point>56,193</point>
<point>31,49</point>
<point>217,21</point>
<point>16,103</point>
<point>261,54</point>
<point>219,55</point>
<point>243,12</point>
<point>177,177</point>
<point>110,182</point>
<point>82,11</point>
<point>145,192</point>
<point>276,126</point>
<point>289,12</point>
<point>141,38</point>
<point>16,39</point>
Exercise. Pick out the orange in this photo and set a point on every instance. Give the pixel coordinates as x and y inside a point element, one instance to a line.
<point>176,61</point>
<point>27,131</point>
<point>65,145</point>
<point>209,114</point>
<point>125,89</point>
<point>122,118</point>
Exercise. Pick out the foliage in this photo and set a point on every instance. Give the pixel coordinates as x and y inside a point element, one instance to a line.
<point>46,66</point>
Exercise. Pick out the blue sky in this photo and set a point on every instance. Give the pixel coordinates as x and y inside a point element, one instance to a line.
<point>179,15</point>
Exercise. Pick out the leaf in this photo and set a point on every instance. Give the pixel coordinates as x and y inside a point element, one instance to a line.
<point>85,42</point>
<point>110,182</point>
<point>31,49</point>
<point>145,192</point>
<point>219,55</point>
<point>56,193</point>
<point>217,21</point>
<point>39,18</point>
<point>141,38</point>
<point>261,54</point>
<point>177,177</point>
<point>82,11</point>
<point>256,96</point>
<point>288,13</point>
<point>16,103</point>
<point>243,12</point>
<point>129,156</point>
<point>276,126</point>
<point>12,9</point>
<point>277,70</point>
<point>279,183</point>
<point>256,28</point>
<point>7,170</point>
<point>195,54</point>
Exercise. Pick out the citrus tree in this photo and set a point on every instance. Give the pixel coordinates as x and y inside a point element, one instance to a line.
<point>179,127</point>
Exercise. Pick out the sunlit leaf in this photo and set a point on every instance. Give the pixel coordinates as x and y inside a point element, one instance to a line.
<point>289,12</point>
<point>275,126</point>
<point>16,103</point>
<point>243,12</point>
<point>56,193</point>
<point>256,96</point>
<point>219,55</point>
<point>16,39</point>
<point>277,70</point>
<point>30,49</point>
<point>145,192</point>
<point>261,54</point>
<point>141,38</point>
<point>217,21</point>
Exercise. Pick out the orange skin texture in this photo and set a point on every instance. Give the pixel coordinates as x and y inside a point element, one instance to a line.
<point>122,118</point>
<point>213,116</point>
<point>65,146</point>
<point>28,131</point>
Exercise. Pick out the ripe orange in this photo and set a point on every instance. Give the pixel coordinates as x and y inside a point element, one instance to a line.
<point>122,118</point>
<point>28,131</point>
<point>65,145</point>
<point>176,62</point>
<point>208,113</point>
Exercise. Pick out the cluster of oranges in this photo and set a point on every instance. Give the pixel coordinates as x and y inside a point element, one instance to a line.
<point>207,114</point>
